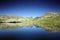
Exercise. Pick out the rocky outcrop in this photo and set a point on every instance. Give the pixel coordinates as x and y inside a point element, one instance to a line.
<point>13,22</point>
<point>6,18</point>
<point>51,14</point>
<point>50,22</point>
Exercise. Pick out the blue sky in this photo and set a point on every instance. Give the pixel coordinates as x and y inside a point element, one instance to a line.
<point>27,8</point>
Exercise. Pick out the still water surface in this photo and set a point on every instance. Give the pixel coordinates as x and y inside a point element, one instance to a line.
<point>28,33</point>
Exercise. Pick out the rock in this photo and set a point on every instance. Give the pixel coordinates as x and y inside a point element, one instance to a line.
<point>5,18</point>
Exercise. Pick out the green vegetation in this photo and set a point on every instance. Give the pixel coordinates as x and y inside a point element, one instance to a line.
<point>50,22</point>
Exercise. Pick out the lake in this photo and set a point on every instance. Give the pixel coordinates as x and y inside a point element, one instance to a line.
<point>26,32</point>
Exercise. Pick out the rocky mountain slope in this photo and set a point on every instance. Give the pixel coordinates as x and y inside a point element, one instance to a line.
<point>7,18</point>
<point>13,22</point>
<point>50,21</point>
<point>49,15</point>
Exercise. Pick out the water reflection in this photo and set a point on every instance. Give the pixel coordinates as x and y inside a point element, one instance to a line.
<point>19,31</point>
<point>14,25</point>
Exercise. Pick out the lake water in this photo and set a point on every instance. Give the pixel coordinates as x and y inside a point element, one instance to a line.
<point>28,33</point>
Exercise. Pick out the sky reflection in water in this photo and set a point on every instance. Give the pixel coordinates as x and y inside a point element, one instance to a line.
<point>29,33</point>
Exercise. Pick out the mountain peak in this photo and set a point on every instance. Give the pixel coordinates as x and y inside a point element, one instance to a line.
<point>52,14</point>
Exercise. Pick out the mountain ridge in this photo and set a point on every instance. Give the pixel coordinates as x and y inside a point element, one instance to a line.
<point>50,22</point>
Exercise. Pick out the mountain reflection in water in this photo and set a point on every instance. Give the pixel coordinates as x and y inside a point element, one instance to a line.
<point>26,32</point>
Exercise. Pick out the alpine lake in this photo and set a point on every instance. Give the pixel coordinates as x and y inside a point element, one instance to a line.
<point>26,31</point>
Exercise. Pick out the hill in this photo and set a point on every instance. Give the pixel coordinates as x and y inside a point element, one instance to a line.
<point>13,22</point>
<point>7,18</point>
<point>50,22</point>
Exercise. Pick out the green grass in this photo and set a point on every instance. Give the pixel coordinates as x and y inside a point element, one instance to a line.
<point>50,24</point>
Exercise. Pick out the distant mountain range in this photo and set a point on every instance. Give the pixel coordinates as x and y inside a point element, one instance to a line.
<point>7,18</point>
<point>50,21</point>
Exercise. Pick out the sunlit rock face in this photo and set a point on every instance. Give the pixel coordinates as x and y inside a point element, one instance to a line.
<point>13,22</point>
<point>51,14</point>
<point>50,22</point>
<point>6,18</point>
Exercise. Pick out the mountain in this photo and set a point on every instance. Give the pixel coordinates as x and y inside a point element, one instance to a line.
<point>50,21</point>
<point>49,15</point>
<point>13,22</point>
<point>7,18</point>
